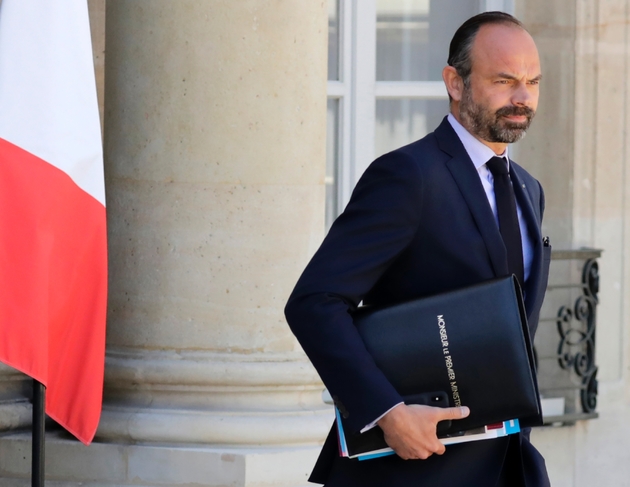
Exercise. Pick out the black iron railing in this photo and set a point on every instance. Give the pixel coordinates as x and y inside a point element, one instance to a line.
<point>565,340</point>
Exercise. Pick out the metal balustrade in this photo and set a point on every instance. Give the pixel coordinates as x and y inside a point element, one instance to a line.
<point>565,340</point>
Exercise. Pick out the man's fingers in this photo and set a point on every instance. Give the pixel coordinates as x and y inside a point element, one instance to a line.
<point>411,430</point>
<point>434,446</point>
<point>440,448</point>
<point>452,413</point>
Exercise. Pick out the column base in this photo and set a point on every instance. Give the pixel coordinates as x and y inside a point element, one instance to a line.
<point>198,397</point>
<point>70,463</point>
<point>232,428</point>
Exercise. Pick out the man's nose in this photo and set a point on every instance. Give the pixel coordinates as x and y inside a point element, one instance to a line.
<point>524,95</point>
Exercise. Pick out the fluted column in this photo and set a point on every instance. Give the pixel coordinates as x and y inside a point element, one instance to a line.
<point>214,148</point>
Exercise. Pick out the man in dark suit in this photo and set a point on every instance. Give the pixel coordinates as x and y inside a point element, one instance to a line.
<point>427,218</point>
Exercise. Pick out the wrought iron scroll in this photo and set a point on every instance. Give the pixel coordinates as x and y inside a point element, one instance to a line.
<point>576,327</point>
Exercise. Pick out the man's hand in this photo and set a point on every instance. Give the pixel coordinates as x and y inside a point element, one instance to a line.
<point>411,430</point>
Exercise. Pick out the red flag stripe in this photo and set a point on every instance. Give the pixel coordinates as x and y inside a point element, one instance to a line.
<point>53,277</point>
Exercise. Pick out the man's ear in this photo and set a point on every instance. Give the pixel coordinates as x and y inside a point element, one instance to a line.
<point>454,83</point>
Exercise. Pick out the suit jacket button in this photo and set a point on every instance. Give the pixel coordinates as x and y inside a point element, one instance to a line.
<point>345,414</point>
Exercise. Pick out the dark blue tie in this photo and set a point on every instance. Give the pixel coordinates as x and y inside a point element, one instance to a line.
<point>508,218</point>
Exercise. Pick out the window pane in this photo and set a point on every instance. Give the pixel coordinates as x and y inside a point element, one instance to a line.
<point>333,40</point>
<point>332,161</point>
<point>400,122</point>
<point>413,36</point>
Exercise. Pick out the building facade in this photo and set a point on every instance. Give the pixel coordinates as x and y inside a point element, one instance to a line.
<point>233,134</point>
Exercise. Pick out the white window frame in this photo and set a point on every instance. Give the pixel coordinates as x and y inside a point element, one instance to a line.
<point>357,89</point>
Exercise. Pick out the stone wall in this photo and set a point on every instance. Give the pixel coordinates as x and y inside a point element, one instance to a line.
<point>579,149</point>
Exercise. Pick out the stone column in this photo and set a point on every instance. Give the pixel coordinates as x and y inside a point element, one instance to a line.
<point>580,152</point>
<point>549,151</point>
<point>215,150</point>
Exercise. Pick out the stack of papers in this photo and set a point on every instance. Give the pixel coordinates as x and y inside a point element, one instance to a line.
<point>352,447</point>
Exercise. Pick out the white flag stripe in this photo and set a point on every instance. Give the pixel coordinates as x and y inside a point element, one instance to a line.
<point>40,111</point>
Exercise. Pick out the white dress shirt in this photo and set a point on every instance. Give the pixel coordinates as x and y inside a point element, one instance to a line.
<point>479,154</point>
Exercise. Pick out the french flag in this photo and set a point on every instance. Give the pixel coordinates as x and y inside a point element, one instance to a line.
<point>53,248</point>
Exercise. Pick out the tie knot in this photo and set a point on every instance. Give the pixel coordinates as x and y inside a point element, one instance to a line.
<point>497,166</point>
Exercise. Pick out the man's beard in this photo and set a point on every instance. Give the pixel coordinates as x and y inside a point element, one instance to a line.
<point>493,127</point>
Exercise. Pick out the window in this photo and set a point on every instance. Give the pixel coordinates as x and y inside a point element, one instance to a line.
<point>385,59</point>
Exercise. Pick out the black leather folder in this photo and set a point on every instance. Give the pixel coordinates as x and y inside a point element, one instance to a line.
<point>472,344</point>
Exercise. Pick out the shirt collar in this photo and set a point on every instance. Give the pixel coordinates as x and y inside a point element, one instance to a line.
<point>478,152</point>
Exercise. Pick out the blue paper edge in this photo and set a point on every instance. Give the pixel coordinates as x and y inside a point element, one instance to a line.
<point>509,429</point>
<point>342,436</point>
<point>376,455</point>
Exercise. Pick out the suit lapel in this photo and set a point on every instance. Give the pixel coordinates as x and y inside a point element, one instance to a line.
<point>524,199</point>
<point>467,178</point>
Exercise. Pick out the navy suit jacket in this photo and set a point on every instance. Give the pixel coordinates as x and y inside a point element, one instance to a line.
<point>418,223</point>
